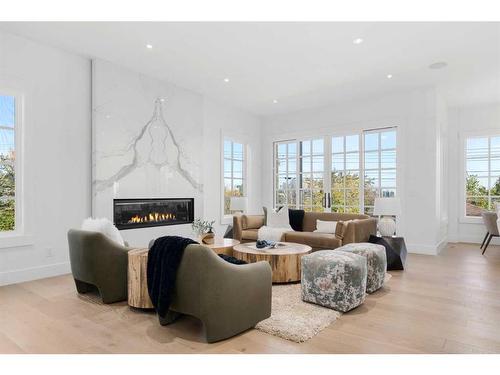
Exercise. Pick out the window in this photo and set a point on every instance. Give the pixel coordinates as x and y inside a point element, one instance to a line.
<point>345,174</point>
<point>286,158</point>
<point>311,174</point>
<point>482,174</point>
<point>234,177</point>
<point>7,163</point>
<point>379,166</point>
<point>340,173</point>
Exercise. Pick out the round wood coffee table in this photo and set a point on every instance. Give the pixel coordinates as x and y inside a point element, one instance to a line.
<point>284,260</point>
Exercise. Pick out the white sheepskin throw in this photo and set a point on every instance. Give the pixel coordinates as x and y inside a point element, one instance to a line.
<point>104,226</point>
<point>272,234</point>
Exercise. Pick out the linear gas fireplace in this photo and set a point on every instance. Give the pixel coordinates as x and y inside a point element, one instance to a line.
<point>141,213</point>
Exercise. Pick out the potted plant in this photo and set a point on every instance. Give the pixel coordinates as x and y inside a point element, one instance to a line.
<point>204,230</point>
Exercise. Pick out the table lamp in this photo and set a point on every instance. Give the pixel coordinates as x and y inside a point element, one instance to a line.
<point>238,204</point>
<point>387,207</point>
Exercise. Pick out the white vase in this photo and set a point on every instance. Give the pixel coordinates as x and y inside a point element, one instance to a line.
<point>387,226</point>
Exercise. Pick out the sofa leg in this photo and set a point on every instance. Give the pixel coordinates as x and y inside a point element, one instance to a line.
<point>82,287</point>
<point>169,318</point>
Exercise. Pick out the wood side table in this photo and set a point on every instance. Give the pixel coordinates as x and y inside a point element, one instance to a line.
<point>138,295</point>
<point>222,245</point>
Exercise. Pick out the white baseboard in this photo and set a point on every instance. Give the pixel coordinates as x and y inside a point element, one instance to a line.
<point>34,273</point>
<point>422,249</point>
<point>475,239</point>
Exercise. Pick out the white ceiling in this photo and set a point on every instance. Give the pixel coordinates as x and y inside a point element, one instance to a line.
<point>299,64</point>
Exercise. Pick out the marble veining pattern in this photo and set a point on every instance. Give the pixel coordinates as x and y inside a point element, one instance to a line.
<point>164,151</point>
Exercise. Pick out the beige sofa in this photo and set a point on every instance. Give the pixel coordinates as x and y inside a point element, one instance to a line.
<point>350,228</point>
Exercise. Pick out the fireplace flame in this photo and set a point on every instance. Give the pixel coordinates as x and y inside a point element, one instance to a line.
<point>151,218</point>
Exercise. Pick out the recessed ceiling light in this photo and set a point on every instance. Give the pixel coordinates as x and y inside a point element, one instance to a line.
<point>275,101</point>
<point>438,65</point>
<point>358,41</point>
<point>389,76</point>
<point>149,46</point>
<point>226,80</point>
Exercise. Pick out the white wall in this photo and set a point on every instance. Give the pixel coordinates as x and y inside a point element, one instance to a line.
<point>219,121</point>
<point>415,114</point>
<point>56,154</point>
<point>480,118</point>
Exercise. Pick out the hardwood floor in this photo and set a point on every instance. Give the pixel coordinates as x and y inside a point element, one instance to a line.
<point>441,304</point>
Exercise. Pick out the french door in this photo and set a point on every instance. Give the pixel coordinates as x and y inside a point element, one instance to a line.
<point>302,179</point>
<point>338,173</point>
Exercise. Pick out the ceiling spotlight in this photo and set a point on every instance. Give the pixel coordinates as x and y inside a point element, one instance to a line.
<point>149,46</point>
<point>275,101</point>
<point>226,80</point>
<point>438,65</point>
<point>357,41</point>
<point>389,76</point>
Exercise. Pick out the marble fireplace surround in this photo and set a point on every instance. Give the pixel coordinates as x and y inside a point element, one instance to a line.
<point>147,137</point>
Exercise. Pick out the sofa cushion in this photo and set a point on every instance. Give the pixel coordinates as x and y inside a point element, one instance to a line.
<point>311,217</point>
<point>252,221</point>
<point>249,234</point>
<point>315,240</point>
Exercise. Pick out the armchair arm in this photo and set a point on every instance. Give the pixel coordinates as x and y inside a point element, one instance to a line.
<point>237,227</point>
<point>359,230</point>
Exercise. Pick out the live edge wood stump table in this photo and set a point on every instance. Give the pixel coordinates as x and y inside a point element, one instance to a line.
<point>138,295</point>
<point>284,260</point>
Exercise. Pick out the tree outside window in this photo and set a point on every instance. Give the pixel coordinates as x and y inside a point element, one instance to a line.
<point>7,163</point>
<point>482,180</point>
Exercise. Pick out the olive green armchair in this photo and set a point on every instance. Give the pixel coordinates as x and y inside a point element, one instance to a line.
<point>227,298</point>
<point>97,261</point>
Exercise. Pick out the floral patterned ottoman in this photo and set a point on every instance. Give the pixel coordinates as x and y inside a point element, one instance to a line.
<point>334,279</point>
<point>376,262</point>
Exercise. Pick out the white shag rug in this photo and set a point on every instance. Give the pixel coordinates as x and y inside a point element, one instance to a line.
<point>295,320</point>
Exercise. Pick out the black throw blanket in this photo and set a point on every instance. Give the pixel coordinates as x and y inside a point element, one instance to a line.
<point>164,259</point>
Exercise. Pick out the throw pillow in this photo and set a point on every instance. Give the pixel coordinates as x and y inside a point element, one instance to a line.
<point>326,226</point>
<point>104,226</point>
<point>296,219</point>
<point>278,219</point>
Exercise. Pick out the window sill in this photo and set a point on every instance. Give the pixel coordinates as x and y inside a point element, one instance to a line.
<point>15,240</point>
<point>470,220</point>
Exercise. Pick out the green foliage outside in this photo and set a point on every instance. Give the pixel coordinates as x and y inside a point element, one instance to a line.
<point>7,193</point>
<point>345,192</point>
<point>478,196</point>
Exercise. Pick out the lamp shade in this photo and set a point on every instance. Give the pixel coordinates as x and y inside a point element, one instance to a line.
<point>238,204</point>
<point>387,206</point>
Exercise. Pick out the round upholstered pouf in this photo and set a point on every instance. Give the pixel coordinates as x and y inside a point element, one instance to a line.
<point>334,279</point>
<point>376,262</point>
